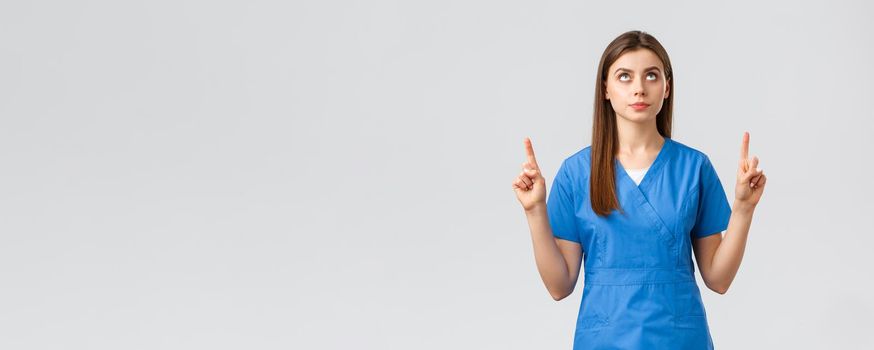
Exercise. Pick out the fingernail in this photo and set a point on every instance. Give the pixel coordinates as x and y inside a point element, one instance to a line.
<point>758,170</point>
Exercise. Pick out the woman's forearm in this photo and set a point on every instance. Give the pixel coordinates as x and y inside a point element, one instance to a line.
<point>728,256</point>
<point>550,262</point>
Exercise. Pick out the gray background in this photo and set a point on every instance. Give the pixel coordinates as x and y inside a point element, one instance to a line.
<point>337,174</point>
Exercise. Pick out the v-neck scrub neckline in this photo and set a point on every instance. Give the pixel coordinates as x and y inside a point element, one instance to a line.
<point>653,168</point>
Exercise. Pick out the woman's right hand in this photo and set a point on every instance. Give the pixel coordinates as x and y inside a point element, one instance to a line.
<point>530,186</point>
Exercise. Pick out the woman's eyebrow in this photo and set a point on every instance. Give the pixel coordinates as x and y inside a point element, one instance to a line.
<point>629,70</point>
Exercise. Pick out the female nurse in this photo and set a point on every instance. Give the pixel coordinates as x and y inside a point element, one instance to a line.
<point>632,207</point>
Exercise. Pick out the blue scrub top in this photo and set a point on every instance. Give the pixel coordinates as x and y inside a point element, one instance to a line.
<point>640,290</point>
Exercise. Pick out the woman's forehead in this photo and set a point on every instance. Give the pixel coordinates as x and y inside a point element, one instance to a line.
<point>637,60</point>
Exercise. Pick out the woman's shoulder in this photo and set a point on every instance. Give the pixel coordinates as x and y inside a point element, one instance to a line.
<point>579,158</point>
<point>691,156</point>
<point>577,164</point>
<point>580,155</point>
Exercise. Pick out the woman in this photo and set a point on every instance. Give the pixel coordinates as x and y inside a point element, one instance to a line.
<point>632,207</point>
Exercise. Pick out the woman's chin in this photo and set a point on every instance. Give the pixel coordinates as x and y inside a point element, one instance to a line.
<point>639,118</point>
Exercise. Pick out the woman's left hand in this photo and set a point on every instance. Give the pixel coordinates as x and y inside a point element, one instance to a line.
<point>750,178</point>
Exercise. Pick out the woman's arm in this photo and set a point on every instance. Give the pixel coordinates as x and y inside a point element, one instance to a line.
<point>558,260</point>
<point>719,258</point>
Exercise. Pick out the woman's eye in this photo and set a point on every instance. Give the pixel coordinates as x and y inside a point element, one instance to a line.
<point>623,75</point>
<point>653,75</point>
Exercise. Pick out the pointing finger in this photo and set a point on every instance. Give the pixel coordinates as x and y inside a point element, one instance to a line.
<point>745,146</point>
<point>529,151</point>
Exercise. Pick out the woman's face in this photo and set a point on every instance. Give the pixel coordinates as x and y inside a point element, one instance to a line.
<point>637,77</point>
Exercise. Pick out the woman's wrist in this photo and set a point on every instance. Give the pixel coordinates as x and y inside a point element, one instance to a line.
<point>538,209</point>
<point>743,207</point>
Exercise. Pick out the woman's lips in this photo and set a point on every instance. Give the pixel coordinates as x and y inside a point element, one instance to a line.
<point>639,106</point>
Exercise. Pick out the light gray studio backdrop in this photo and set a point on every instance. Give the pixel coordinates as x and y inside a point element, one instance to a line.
<point>337,174</point>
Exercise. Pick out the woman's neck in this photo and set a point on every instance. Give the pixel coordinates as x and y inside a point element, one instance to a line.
<point>638,138</point>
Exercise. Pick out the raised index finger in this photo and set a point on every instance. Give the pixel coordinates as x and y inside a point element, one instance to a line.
<point>745,146</point>
<point>529,151</point>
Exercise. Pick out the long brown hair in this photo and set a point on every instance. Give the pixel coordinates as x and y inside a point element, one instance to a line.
<point>605,138</point>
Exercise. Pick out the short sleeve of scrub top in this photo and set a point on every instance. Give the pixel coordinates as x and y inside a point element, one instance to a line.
<point>713,208</point>
<point>560,206</point>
